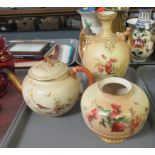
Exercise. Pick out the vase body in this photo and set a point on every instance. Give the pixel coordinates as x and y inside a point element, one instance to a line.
<point>106,54</point>
<point>142,46</point>
<point>114,109</point>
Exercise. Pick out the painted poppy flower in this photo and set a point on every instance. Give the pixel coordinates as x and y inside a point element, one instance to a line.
<point>93,114</point>
<point>113,59</point>
<point>118,127</point>
<point>135,122</point>
<point>108,64</point>
<point>108,67</point>
<point>108,70</point>
<point>114,114</point>
<point>115,106</point>
<point>100,69</point>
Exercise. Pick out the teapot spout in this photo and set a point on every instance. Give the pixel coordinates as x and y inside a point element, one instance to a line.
<point>126,36</point>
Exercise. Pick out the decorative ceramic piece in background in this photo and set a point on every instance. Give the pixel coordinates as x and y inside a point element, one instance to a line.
<point>106,54</point>
<point>119,23</point>
<point>50,88</point>
<point>114,109</point>
<point>142,45</point>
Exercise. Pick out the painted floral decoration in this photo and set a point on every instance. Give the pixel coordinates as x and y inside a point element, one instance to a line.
<point>106,66</point>
<point>113,118</point>
<point>109,117</point>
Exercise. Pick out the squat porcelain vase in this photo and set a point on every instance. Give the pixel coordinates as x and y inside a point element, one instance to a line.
<point>114,109</point>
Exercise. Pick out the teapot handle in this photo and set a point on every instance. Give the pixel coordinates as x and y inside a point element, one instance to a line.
<point>89,75</point>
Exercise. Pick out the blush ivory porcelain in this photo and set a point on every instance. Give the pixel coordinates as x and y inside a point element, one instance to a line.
<point>106,54</point>
<point>114,109</point>
<point>51,88</point>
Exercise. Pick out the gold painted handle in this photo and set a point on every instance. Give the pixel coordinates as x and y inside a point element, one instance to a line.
<point>82,44</point>
<point>125,36</point>
<point>128,36</point>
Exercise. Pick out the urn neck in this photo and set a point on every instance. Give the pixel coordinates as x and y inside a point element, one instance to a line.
<point>115,87</point>
<point>106,18</point>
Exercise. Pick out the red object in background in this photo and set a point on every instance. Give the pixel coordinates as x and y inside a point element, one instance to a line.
<point>3,84</point>
<point>6,61</point>
<point>6,58</point>
<point>101,9</point>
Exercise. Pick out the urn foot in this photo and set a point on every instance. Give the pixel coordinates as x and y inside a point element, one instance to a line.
<point>113,140</point>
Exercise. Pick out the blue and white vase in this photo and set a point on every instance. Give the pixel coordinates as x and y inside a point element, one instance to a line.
<point>142,45</point>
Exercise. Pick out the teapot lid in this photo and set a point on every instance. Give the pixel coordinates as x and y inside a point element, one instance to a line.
<point>47,70</point>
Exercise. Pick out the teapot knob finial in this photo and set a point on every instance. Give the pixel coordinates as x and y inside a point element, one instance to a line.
<point>48,60</point>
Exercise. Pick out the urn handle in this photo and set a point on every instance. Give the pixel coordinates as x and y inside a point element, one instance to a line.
<point>89,75</point>
<point>82,44</point>
<point>126,36</point>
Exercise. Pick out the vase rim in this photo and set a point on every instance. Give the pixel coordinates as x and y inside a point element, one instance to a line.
<point>133,21</point>
<point>115,81</point>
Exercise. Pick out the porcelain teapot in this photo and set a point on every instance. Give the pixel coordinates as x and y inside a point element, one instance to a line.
<point>51,88</point>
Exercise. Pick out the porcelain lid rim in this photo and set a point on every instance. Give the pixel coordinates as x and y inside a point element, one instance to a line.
<point>33,75</point>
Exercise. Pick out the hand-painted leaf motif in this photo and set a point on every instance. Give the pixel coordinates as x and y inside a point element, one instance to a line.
<point>102,122</point>
<point>109,121</point>
<point>105,110</point>
<point>122,119</point>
